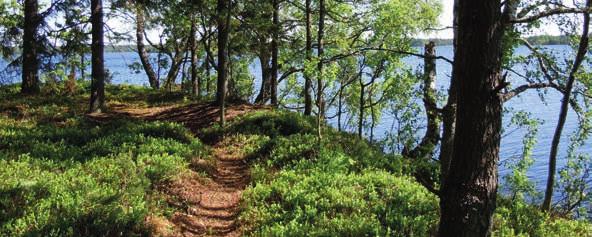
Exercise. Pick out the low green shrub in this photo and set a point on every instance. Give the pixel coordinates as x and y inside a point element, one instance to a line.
<point>64,175</point>
<point>323,198</point>
<point>518,218</point>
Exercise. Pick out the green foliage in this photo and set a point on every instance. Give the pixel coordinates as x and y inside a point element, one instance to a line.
<point>343,188</point>
<point>64,175</point>
<point>347,187</point>
<point>517,218</point>
<point>268,123</point>
<point>321,197</point>
<point>518,184</point>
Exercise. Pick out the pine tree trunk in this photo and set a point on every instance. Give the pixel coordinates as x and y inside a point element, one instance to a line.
<point>142,52</point>
<point>195,81</point>
<point>274,53</point>
<point>320,86</point>
<point>30,77</point>
<point>223,10</point>
<point>97,97</point>
<point>307,79</point>
<point>207,65</point>
<point>361,107</point>
<point>468,197</point>
<point>265,91</point>
<point>449,113</point>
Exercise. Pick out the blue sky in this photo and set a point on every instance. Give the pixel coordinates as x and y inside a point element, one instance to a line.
<point>446,20</point>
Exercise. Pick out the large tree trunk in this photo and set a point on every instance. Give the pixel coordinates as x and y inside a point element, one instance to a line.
<point>274,53</point>
<point>449,113</point>
<point>142,52</point>
<point>307,79</point>
<point>265,91</point>
<point>30,77</point>
<point>195,81</point>
<point>582,51</point>
<point>223,11</point>
<point>320,52</point>
<point>97,96</point>
<point>468,197</point>
<point>207,65</point>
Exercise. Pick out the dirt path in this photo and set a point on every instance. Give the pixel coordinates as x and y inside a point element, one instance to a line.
<point>213,206</point>
<point>209,206</point>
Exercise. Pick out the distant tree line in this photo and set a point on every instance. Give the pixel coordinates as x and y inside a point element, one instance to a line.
<point>534,40</point>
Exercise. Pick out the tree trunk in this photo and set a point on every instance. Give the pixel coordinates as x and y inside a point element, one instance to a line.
<point>195,81</point>
<point>362,107</point>
<point>468,197</point>
<point>83,66</point>
<point>274,53</point>
<point>223,11</point>
<point>207,62</point>
<point>265,91</point>
<point>340,109</point>
<point>449,113</point>
<point>307,79</point>
<point>30,77</point>
<point>425,149</point>
<point>320,51</point>
<point>71,83</point>
<point>582,51</point>
<point>176,64</point>
<point>142,52</point>
<point>372,117</point>
<point>97,96</point>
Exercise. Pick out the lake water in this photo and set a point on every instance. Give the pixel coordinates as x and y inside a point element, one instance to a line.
<point>511,147</point>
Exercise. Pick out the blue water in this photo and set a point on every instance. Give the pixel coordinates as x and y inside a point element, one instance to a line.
<point>511,147</point>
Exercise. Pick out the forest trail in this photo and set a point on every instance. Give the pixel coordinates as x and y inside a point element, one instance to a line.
<point>212,206</point>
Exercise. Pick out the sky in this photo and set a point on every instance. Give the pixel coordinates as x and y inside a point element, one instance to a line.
<point>446,20</point>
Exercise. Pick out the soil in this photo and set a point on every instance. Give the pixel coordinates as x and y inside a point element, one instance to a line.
<point>209,205</point>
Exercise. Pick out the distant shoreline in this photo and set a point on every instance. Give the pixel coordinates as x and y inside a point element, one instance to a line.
<point>535,40</point>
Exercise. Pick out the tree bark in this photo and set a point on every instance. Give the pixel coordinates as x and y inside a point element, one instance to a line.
<point>30,77</point>
<point>176,63</point>
<point>425,149</point>
<point>362,107</point>
<point>195,80</point>
<point>307,79</point>
<point>320,86</point>
<point>207,65</point>
<point>142,52</point>
<point>449,112</point>
<point>274,53</point>
<point>265,91</point>
<point>580,56</point>
<point>468,196</point>
<point>223,11</point>
<point>97,97</point>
